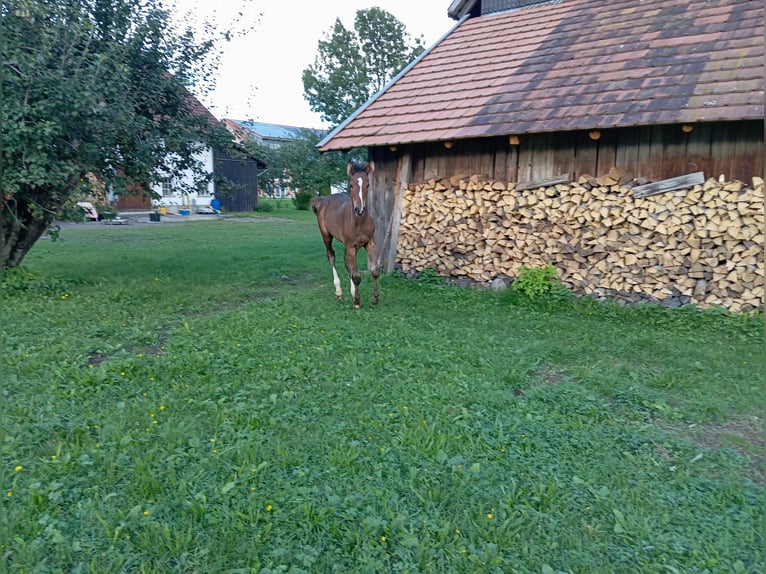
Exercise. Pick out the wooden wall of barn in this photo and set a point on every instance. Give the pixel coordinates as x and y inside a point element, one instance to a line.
<point>240,190</point>
<point>734,149</point>
<point>730,149</point>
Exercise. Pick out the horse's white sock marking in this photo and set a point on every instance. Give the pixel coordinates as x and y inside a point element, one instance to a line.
<point>336,282</point>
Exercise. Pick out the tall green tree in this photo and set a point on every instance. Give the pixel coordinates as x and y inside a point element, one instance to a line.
<point>352,65</point>
<point>93,87</point>
<point>299,162</point>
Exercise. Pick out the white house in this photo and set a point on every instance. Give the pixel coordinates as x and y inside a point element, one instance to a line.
<point>181,194</point>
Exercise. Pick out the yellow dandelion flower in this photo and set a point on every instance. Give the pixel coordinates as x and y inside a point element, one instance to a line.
<point>9,493</point>
<point>146,513</point>
<point>18,468</point>
<point>269,507</point>
<point>162,407</point>
<point>489,516</point>
<point>382,538</point>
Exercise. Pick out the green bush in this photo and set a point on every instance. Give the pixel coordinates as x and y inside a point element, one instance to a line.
<point>303,199</point>
<point>539,281</point>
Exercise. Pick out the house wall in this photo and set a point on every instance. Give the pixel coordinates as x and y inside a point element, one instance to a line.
<point>194,198</point>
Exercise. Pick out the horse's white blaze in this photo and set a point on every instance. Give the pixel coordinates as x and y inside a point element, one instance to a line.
<point>336,282</point>
<point>359,181</point>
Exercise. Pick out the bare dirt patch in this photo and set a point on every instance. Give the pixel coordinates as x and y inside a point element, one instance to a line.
<point>744,435</point>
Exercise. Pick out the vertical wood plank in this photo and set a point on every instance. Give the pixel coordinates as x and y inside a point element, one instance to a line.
<point>586,154</point>
<point>626,150</point>
<point>748,153</point>
<point>698,150</point>
<point>563,153</point>
<point>403,175</point>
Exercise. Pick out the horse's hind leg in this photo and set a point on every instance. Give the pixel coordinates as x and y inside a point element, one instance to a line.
<point>353,274</point>
<point>331,259</point>
<point>372,265</point>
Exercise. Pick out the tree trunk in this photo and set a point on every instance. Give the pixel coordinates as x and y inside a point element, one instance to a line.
<point>20,228</point>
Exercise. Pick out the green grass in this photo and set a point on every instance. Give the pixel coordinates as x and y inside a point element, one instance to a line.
<point>191,398</point>
<point>284,208</point>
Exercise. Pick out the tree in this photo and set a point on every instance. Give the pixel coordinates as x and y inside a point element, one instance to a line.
<point>351,66</point>
<point>300,162</point>
<point>92,88</point>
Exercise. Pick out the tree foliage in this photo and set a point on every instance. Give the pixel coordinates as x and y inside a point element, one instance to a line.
<point>353,65</point>
<point>299,162</point>
<point>93,88</point>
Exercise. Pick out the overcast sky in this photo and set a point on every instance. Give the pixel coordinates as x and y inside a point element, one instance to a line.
<point>260,75</point>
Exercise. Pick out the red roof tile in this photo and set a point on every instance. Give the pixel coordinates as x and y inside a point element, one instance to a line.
<point>570,65</point>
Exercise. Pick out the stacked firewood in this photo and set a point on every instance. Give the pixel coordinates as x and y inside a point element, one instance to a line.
<point>702,245</point>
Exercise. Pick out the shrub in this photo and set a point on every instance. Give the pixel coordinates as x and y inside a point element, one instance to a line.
<point>538,281</point>
<point>303,199</point>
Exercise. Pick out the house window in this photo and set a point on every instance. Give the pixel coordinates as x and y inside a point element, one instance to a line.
<point>167,186</point>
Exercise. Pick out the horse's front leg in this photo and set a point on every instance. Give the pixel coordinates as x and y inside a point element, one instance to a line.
<point>353,274</point>
<point>372,265</point>
<point>331,259</point>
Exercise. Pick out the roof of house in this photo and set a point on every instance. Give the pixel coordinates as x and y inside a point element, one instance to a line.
<point>239,133</point>
<point>268,131</point>
<point>569,65</point>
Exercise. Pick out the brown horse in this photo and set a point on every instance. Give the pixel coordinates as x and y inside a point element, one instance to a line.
<point>346,217</point>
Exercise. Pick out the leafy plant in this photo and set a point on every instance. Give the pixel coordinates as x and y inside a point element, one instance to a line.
<point>302,200</point>
<point>539,281</point>
<point>429,276</point>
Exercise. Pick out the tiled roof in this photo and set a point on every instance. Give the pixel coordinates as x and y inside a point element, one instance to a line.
<point>239,133</point>
<point>570,65</point>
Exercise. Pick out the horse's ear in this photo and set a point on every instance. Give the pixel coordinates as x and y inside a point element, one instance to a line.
<point>350,168</point>
<point>370,167</point>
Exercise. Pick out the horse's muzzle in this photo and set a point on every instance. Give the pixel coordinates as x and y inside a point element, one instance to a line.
<point>360,211</point>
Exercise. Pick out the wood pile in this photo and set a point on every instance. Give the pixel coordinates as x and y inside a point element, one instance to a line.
<point>703,244</point>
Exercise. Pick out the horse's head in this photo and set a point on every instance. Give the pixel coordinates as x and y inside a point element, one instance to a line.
<point>359,185</point>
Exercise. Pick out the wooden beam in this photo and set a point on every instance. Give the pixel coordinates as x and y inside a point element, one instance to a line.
<point>564,178</point>
<point>402,178</point>
<point>672,184</point>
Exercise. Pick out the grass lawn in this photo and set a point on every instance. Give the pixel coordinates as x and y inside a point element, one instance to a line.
<point>190,398</point>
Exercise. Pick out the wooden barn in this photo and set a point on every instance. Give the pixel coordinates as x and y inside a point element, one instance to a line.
<point>529,132</point>
<point>236,184</point>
